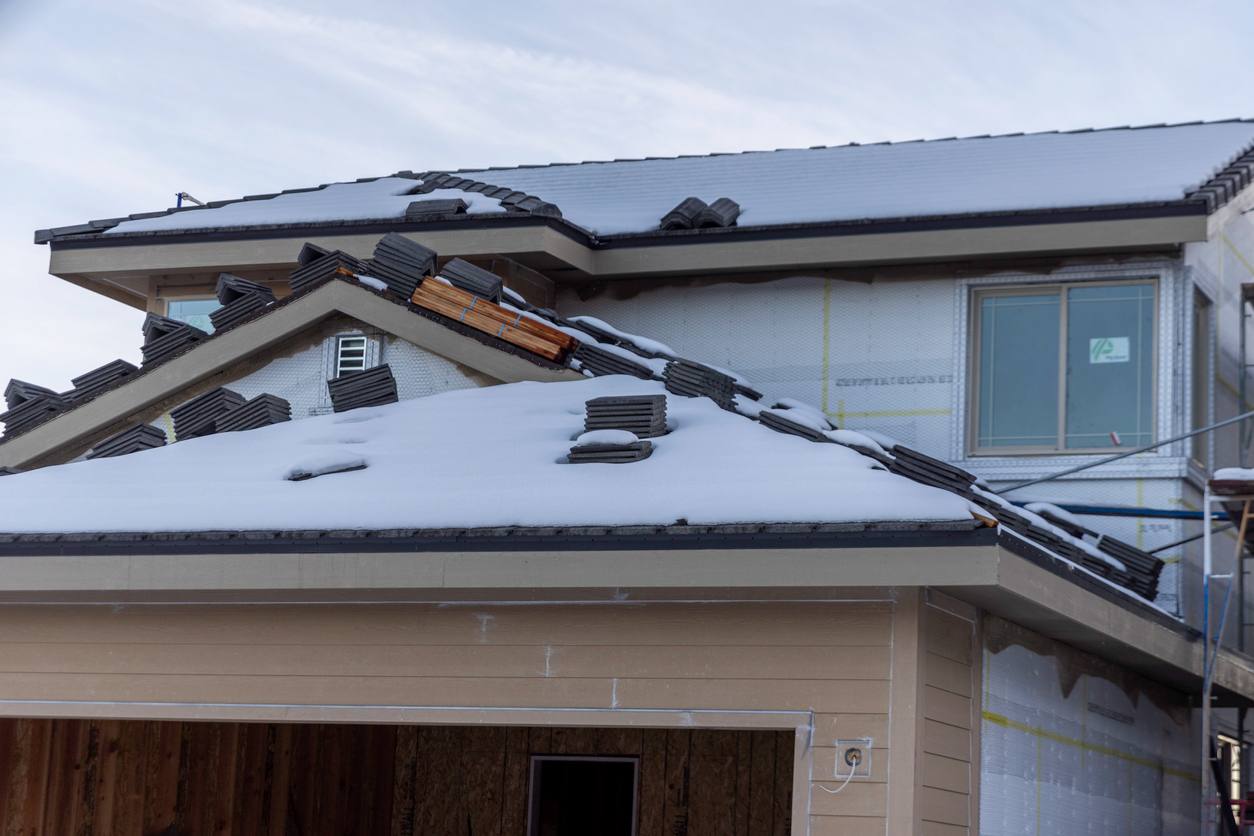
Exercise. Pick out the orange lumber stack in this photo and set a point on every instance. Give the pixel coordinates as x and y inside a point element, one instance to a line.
<point>490,318</point>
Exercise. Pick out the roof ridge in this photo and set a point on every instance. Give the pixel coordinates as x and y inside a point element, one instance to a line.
<point>888,142</point>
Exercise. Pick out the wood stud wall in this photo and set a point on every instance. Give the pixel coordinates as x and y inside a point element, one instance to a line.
<point>127,778</point>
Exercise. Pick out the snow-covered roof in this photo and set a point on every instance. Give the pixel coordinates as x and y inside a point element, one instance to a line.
<point>474,458</point>
<point>1021,172</point>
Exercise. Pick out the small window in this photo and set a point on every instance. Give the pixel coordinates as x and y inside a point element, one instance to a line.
<point>576,796</point>
<point>350,355</point>
<point>193,312</point>
<point>1201,374</point>
<point>1064,368</point>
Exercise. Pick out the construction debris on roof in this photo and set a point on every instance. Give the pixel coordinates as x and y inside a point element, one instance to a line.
<point>261,411</point>
<point>354,390</point>
<point>644,416</point>
<point>321,268</point>
<point>401,264</point>
<point>198,416</point>
<point>29,407</point>
<point>92,383</point>
<point>609,447</point>
<point>490,318</point>
<point>240,300</point>
<point>165,337</point>
<point>131,440</point>
<point>466,276</point>
<point>684,377</point>
<point>1203,162</point>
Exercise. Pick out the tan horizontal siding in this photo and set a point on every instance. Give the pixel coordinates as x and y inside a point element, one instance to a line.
<point>946,777</point>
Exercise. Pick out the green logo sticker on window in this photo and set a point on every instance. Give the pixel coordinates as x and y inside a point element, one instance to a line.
<point>1109,350</point>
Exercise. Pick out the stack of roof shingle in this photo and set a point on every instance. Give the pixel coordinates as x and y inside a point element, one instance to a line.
<point>372,387</point>
<point>29,405</point>
<point>694,213</point>
<point>240,299</point>
<point>609,452</point>
<point>684,377</point>
<point>473,279</point>
<point>131,440</point>
<point>923,468</point>
<point>793,422</point>
<point>642,415</point>
<point>422,210</point>
<point>165,337</point>
<point>199,416</point>
<point>599,361</point>
<point>87,386</point>
<point>320,268</point>
<point>261,411</point>
<point>401,263</point>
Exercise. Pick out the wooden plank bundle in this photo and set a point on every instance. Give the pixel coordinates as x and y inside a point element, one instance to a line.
<point>490,318</point>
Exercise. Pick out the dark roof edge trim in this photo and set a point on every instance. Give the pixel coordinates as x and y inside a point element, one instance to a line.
<point>1034,217</point>
<point>631,538</point>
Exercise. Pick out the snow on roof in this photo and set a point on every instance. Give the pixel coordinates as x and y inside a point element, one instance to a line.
<point>467,459</point>
<point>382,199</point>
<point>1108,167</point>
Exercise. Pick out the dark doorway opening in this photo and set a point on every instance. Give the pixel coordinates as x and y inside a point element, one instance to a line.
<point>582,796</point>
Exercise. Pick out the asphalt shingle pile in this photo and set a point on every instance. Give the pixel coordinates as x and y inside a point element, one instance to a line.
<point>695,213</point>
<point>421,210</point>
<point>1142,568</point>
<point>87,386</point>
<point>923,468</point>
<point>29,405</point>
<point>321,268</point>
<point>131,440</point>
<point>642,415</point>
<point>684,377</point>
<point>601,362</point>
<point>240,299</point>
<point>610,453</point>
<point>780,421</point>
<point>401,263</point>
<point>372,387</point>
<point>199,416</point>
<point>165,337</point>
<point>261,411</point>
<point>472,279</point>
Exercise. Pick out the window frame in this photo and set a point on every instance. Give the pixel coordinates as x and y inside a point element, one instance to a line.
<point>1201,373</point>
<point>972,399</point>
<point>174,300</point>
<point>340,341</point>
<point>534,785</point>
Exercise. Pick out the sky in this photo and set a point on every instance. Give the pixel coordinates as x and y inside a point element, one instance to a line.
<point>112,108</point>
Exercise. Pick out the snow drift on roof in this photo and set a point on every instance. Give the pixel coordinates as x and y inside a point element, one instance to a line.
<point>382,199</point>
<point>472,458</point>
<point>842,183</point>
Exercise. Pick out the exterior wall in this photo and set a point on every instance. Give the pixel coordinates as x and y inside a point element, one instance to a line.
<point>127,778</point>
<point>890,354</point>
<point>1073,744</point>
<point>826,665</point>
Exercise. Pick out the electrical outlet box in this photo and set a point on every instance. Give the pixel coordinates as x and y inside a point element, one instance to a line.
<point>853,754</point>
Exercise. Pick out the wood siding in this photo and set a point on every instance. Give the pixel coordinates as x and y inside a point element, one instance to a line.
<point>831,659</point>
<point>143,778</point>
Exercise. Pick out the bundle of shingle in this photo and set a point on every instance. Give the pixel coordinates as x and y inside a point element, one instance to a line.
<point>923,468</point>
<point>472,279</point>
<point>240,299</point>
<point>599,361</point>
<point>684,377</point>
<point>131,440</point>
<point>794,422</point>
<point>318,266</point>
<point>401,264</point>
<point>614,448</point>
<point>423,210</point>
<point>165,337</point>
<point>1141,569</point>
<point>642,415</point>
<point>87,386</point>
<point>695,213</point>
<point>372,387</point>
<point>261,411</point>
<point>29,405</point>
<point>199,416</point>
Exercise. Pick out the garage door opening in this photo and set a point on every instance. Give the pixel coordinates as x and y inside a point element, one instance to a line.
<point>137,778</point>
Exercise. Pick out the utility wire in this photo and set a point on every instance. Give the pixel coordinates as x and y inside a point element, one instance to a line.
<point>1187,540</point>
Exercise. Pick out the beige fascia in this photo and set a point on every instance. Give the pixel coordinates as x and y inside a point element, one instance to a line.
<point>986,576</point>
<point>127,403</point>
<point>117,265</point>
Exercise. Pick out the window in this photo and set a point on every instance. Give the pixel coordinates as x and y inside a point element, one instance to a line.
<point>1200,400</point>
<point>1064,368</point>
<point>575,796</point>
<point>350,355</point>
<point>193,312</point>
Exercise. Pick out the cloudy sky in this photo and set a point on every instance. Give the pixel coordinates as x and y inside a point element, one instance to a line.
<point>113,107</point>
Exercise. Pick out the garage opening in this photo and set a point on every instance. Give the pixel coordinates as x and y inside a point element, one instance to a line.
<point>150,778</point>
